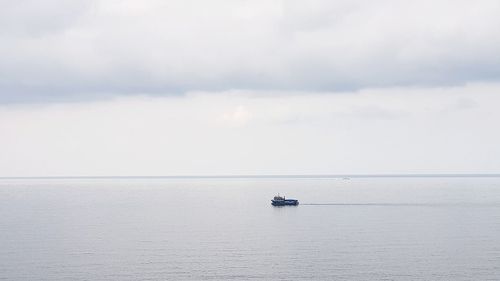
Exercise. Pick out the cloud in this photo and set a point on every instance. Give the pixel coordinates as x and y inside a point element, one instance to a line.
<point>58,50</point>
<point>237,117</point>
<point>373,131</point>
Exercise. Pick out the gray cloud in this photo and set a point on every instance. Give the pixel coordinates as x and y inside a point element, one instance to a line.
<point>59,50</point>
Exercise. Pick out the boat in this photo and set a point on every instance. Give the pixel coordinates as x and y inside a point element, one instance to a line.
<point>282,201</point>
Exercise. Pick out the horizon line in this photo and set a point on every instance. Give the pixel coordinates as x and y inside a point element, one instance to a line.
<point>304,176</point>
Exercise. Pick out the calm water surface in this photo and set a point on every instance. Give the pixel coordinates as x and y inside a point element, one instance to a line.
<point>217,229</point>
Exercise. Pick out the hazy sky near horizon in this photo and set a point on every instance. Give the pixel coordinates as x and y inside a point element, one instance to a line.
<point>109,87</point>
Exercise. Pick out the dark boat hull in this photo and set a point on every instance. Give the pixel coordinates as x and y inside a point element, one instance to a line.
<point>286,202</point>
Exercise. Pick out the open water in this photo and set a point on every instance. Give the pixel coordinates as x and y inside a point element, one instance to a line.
<point>226,229</point>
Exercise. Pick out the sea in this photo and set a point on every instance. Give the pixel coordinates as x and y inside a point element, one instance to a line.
<point>224,228</point>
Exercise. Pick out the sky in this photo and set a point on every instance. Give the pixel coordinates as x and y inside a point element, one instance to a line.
<point>151,88</point>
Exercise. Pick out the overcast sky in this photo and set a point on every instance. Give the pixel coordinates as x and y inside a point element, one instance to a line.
<point>111,87</point>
